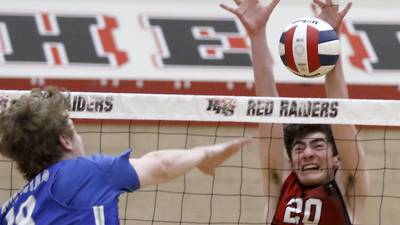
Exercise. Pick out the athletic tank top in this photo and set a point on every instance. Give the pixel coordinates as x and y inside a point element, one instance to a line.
<point>320,205</point>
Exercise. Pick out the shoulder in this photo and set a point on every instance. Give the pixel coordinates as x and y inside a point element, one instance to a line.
<point>76,175</point>
<point>290,179</point>
<point>89,179</point>
<point>103,162</point>
<point>290,184</point>
<point>94,167</point>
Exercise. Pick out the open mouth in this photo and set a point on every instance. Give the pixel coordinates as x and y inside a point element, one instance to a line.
<point>310,167</point>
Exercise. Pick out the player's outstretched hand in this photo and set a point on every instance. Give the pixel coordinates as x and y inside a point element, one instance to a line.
<point>252,14</point>
<point>329,12</point>
<point>218,153</point>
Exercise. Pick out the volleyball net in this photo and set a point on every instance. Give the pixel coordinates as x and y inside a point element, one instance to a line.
<point>110,123</point>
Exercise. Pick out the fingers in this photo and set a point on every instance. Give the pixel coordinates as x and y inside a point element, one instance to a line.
<point>226,149</point>
<point>345,10</point>
<point>335,2</point>
<point>314,9</point>
<point>332,2</point>
<point>327,3</point>
<point>237,2</point>
<point>274,3</point>
<point>319,3</point>
<point>243,141</point>
<point>237,143</point>
<point>228,8</point>
<point>216,154</point>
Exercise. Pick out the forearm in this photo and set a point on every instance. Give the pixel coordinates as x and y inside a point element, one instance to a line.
<point>178,162</point>
<point>262,65</point>
<point>160,166</point>
<point>335,84</point>
<point>270,150</point>
<point>351,153</point>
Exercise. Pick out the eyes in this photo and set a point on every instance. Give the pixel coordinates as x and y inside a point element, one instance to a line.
<point>316,145</point>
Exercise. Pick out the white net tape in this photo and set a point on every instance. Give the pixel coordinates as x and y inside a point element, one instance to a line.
<point>91,105</point>
<point>235,194</point>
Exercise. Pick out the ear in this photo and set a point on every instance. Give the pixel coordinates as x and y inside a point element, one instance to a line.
<point>336,162</point>
<point>65,142</point>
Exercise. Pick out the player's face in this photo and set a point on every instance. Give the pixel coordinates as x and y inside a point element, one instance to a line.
<point>76,141</point>
<point>312,159</point>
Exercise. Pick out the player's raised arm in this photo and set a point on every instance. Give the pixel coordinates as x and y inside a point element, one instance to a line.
<point>352,176</point>
<point>254,16</point>
<point>335,84</point>
<point>161,166</point>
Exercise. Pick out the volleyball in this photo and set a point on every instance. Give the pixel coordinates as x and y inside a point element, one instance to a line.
<point>309,47</point>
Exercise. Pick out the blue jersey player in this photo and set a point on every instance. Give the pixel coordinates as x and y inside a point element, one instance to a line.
<point>65,186</point>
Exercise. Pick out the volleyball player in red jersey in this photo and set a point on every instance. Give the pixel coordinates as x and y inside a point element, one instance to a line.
<point>314,186</point>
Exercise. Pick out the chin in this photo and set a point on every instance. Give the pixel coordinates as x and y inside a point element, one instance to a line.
<point>312,179</point>
<point>310,182</point>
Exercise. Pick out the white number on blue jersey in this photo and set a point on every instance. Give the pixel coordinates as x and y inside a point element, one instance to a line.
<point>24,215</point>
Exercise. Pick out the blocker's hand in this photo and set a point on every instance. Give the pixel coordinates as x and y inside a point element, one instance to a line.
<point>252,14</point>
<point>329,12</point>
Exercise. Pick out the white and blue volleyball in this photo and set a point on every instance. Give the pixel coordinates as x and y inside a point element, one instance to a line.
<point>309,47</point>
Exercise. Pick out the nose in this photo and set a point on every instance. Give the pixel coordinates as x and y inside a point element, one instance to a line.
<point>308,153</point>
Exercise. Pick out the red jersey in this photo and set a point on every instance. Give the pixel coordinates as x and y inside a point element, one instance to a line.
<point>319,205</point>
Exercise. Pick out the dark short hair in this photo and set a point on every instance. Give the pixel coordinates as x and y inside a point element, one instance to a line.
<point>293,132</point>
<point>30,129</point>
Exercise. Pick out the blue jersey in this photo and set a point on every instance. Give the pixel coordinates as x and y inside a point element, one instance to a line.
<point>83,190</point>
